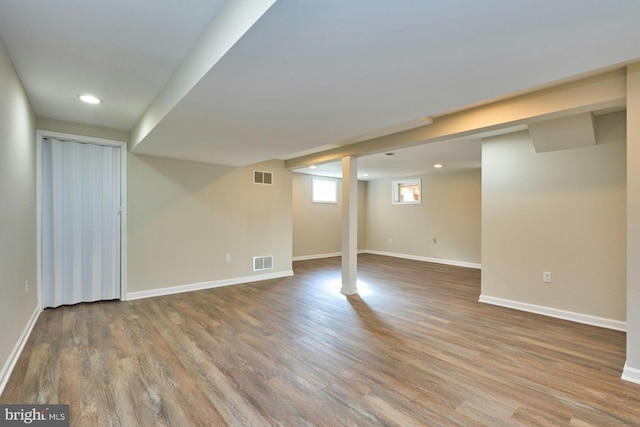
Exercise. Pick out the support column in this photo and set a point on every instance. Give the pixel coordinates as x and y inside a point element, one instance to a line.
<point>632,367</point>
<point>349,225</point>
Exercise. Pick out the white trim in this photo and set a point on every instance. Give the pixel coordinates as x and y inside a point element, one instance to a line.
<point>631,374</point>
<point>206,285</point>
<point>123,222</point>
<point>587,319</point>
<point>425,259</point>
<point>39,218</point>
<point>395,255</point>
<point>10,364</point>
<point>317,256</point>
<point>80,138</point>
<point>40,134</point>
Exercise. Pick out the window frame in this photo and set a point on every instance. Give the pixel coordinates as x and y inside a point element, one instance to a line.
<point>313,192</point>
<point>396,192</point>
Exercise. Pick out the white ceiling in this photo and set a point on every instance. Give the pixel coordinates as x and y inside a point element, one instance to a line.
<point>121,50</point>
<point>308,74</point>
<point>454,155</point>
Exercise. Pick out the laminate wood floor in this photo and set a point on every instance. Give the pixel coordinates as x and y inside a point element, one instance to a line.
<point>414,349</point>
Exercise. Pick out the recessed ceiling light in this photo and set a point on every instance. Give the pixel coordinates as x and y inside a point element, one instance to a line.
<point>365,174</point>
<point>313,167</point>
<point>438,165</point>
<point>90,99</point>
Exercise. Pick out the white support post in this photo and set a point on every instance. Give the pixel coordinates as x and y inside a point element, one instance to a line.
<point>349,225</point>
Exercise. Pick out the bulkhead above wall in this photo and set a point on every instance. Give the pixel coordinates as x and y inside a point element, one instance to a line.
<point>578,130</point>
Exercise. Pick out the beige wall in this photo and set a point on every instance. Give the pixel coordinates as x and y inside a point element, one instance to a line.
<point>562,212</point>
<point>450,213</point>
<point>317,227</point>
<point>17,209</point>
<point>184,217</point>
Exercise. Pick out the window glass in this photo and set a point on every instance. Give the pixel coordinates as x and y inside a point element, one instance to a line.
<point>406,192</point>
<point>324,191</point>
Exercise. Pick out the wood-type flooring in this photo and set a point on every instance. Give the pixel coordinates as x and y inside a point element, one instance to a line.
<point>415,348</point>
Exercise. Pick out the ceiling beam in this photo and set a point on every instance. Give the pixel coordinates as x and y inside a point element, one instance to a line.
<point>604,91</point>
<point>231,22</point>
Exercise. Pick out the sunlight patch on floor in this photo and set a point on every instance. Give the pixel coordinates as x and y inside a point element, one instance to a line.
<point>334,287</point>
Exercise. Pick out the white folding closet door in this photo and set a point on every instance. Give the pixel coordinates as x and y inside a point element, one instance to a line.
<point>80,222</point>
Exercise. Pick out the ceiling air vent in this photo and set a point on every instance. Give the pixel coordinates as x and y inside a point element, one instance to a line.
<point>262,263</point>
<point>262,177</point>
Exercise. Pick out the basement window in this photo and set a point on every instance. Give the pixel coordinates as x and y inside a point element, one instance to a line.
<point>324,190</point>
<point>406,192</point>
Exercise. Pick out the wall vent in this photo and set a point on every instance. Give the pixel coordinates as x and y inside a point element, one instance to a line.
<point>262,263</point>
<point>262,177</point>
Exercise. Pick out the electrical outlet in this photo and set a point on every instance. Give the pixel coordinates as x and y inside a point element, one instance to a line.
<point>390,240</point>
<point>546,277</point>
<point>227,257</point>
<point>26,286</point>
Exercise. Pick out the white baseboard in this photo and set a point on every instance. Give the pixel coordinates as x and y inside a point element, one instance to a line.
<point>587,319</point>
<point>317,256</point>
<point>7,369</point>
<point>395,255</point>
<point>631,374</point>
<point>426,259</point>
<point>206,285</point>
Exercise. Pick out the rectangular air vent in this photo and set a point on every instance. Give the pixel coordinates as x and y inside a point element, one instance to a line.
<point>262,263</point>
<point>262,177</point>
